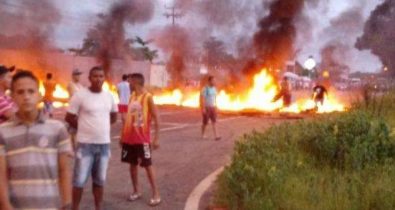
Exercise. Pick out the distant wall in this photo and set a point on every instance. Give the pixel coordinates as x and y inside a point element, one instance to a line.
<point>61,65</point>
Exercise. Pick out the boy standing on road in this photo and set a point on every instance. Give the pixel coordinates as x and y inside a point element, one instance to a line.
<point>209,107</point>
<point>136,137</point>
<point>34,154</point>
<point>92,111</point>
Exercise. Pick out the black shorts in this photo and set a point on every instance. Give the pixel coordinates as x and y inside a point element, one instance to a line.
<point>210,114</point>
<point>137,154</point>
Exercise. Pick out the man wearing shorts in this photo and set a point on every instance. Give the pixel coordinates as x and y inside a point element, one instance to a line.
<point>208,107</point>
<point>136,137</point>
<point>123,89</point>
<point>92,111</point>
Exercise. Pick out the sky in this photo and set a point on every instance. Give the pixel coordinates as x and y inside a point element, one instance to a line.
<point>80,15</point>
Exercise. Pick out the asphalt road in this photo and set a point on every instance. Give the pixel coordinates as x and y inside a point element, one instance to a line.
<point>183,160</point>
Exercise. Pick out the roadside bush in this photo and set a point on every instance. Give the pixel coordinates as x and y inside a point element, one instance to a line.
<point>337,161</point>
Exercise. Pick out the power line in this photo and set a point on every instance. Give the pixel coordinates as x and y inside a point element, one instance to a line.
<point>173,14</point>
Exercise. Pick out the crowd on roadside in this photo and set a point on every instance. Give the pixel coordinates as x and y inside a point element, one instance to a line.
<point>37,151</point>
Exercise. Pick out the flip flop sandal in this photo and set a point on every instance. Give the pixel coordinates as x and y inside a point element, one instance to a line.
<point>155,202</point>
<point>134,196</point>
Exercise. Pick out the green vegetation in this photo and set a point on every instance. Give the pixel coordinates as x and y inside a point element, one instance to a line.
<point>336,161</point>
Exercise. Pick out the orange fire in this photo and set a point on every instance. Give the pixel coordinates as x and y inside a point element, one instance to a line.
<point>112,89</point>
<point>259,97</point>
<point>62,96</point>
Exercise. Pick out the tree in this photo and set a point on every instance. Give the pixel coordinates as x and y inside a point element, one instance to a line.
<point>142,51</point>
<point>91,47</point>
<point>216,56</point>
<point>379,34</point>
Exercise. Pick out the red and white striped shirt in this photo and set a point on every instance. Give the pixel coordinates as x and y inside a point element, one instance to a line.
<point>6,105</point>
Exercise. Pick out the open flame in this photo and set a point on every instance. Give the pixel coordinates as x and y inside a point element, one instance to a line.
<point>62,96</point>
<point>112,89</point>
<point>259,97</point>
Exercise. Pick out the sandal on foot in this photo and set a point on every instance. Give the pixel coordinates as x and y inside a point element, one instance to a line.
<point>155,202</point>
<point>134,196</point>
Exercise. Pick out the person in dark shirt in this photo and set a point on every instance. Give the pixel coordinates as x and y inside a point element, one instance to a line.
<point>285,92</point>
<point>319,94</point>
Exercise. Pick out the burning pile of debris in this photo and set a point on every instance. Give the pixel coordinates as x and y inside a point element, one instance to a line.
<point>259,97</point>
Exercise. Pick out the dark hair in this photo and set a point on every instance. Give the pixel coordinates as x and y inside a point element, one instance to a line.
<point>95,68</point>
<point>124,77</point>
<point>210,78</point>
<point>49,76</point>
<point>23,74</point>
<point>138,77</point>
<point>4,70</point>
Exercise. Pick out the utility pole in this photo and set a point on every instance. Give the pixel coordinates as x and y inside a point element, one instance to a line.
<point>172,13</point>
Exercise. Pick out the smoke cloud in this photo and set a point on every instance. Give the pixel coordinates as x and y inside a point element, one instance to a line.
<point>176,42</point>
<point>110,31</point>
<point>26,29</point>
<point>329,34</point>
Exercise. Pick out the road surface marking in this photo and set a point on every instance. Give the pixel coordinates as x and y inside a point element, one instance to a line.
<point>197,193</point>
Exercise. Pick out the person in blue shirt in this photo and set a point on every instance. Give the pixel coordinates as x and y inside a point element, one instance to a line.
<point>208,107</point>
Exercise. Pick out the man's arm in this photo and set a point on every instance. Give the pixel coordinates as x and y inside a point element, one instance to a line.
<point>4,196</point>
<point>65,179</point>
<point>155,119</point>
<point>72,120</point>
<point>113,117</point>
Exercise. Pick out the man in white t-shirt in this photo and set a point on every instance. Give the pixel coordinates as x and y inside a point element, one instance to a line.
<point>123,89</point>
<point>92,111</point>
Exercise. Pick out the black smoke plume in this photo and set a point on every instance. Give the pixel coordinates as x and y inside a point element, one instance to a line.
<point>274,41</point>
<point>109,33</point>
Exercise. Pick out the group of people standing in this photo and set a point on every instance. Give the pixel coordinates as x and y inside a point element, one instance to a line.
<point>36,151</point>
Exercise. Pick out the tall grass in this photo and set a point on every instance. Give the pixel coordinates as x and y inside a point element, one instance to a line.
<point>337,161</point>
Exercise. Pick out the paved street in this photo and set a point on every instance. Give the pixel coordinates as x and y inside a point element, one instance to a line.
<point>183,160</point>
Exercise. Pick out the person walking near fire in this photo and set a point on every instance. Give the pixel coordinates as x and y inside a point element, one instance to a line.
<point>285,92</point>
<point>208,106</point>
<point>319,94</point>
<point>136,137</point>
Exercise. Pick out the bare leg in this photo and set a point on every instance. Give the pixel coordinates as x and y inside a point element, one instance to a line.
<point>217,137</point>
<point>151,178</point>
<point>123,118</point>
<point>98,195</point>
<point>77,195</point>
<point>214,130</point>
<point>203,131</point>
<point>134,177</point>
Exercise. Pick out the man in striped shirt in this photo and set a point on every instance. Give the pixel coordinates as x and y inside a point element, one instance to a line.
<point>34,154</point>
<point>6,105</point>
